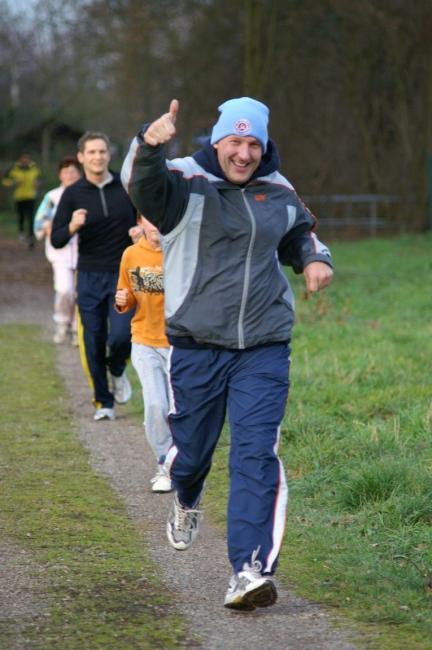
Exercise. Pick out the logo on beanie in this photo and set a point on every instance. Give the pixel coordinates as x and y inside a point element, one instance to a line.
<point>242,126</point>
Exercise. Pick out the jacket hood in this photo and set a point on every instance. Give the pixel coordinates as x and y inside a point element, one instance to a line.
<point>207,158</point>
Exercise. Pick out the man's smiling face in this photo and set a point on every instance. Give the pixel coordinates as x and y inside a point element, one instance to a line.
<point>239,157</point>
<point>95,158</point>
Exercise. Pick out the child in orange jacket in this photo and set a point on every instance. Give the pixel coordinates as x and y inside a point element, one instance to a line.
<point>140,285</point>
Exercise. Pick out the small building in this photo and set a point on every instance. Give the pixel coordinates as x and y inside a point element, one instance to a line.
<point>50,140</point>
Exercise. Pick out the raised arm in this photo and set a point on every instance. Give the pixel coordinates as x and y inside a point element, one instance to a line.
<point>159,194</point>
<point>163,129</point>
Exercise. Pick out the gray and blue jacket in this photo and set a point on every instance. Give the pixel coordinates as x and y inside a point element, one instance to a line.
<point>223,245</point>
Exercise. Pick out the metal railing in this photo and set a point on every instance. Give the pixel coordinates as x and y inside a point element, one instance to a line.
<point>368,216</point>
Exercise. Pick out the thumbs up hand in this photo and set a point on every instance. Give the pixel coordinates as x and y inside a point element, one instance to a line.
<point>163,129</point>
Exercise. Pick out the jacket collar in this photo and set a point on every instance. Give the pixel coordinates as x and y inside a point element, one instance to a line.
<point>114,177</point>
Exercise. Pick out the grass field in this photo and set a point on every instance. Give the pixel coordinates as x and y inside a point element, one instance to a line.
<point>356,442</point>
<point>97,584</point>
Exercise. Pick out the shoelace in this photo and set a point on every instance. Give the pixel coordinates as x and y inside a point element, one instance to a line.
<point>255,566</point>
<point>182,515</point>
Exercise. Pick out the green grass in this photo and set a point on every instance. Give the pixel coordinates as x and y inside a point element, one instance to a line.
<point>8,223</point>
<point>356,443</point>
<point>99,587</point>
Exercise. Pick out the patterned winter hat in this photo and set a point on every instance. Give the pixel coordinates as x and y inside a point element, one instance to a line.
<point>242,116</point>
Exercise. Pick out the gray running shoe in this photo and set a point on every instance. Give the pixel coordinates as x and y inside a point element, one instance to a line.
<point>249,589</point>
<point>182,525</point>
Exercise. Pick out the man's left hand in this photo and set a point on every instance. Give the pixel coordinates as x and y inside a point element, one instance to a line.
<point>317,275</point>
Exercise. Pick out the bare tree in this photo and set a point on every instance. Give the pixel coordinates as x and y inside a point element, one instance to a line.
<point>349,83</point>
<point>260,44</point>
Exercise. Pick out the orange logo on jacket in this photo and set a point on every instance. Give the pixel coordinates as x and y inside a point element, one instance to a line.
<point>260,197</point>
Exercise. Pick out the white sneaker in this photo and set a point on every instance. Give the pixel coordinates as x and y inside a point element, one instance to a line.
<point>182,525</point>
<point>249,589</point>
<point>161,482</point>
<point>104,413</point>
<point>61,333</point>
<point>121,388</point>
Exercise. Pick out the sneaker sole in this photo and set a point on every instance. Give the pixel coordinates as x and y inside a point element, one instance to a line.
<point>104,417</point>
<point>159,491</point>
<point>263,596</point>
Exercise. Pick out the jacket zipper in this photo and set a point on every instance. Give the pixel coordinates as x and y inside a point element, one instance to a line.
<point>246,281</point>
<point>104,204</point>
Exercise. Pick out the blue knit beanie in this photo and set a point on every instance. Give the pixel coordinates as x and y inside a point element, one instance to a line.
<point>242,116</point>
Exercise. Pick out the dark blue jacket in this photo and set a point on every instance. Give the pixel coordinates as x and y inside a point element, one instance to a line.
<point>103,238</point>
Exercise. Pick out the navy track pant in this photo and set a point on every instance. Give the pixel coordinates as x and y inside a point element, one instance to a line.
<point>252,387</point>
<point>106,333</point>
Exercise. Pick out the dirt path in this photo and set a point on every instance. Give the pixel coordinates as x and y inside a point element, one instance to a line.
<point>197,578</point>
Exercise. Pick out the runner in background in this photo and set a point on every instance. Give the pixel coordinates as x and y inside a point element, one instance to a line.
<point>23,177</point>
<point>99,210</point>
<point>140,287</point>
<point>63,260</point>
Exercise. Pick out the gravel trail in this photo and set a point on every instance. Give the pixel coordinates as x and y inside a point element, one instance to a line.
<point>198,577</point>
